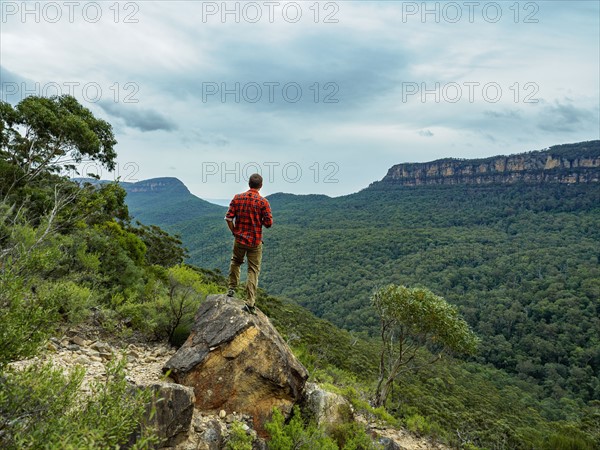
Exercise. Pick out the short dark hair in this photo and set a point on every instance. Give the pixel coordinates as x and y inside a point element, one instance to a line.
<point>255,181</point>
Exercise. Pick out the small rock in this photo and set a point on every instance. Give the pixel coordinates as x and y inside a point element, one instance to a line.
<point>101,346</point>
<point>82,360</point>
<point>51,346</point>
<point>73,347</point>
<point>222,414</point>
<point>78,340</point>
<point>389,444</point>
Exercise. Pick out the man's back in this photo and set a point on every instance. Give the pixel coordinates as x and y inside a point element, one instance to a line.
<point>248,213</point>
<point>251,212</point>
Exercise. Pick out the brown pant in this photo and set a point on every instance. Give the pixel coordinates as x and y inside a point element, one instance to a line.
<point>254,255</point>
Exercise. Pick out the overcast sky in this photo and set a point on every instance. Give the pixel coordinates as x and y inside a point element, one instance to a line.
<point>321,97</point>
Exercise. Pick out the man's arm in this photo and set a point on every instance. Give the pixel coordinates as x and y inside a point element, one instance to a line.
<point>230,216</point>
<point>267,217</point>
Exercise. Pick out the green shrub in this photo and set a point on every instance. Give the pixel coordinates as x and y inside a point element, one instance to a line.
<point>72,301</point>
<point>295,434</point>
<point>239,439</point>
<point>418,424</point>
<point>26,318</point>
<point>568,438</point>
<point>41,407</point>
<point>168,311</point>
<point>352,436</point>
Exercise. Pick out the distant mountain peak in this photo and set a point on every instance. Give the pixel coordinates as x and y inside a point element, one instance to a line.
<point>568,163</point>
<point>162,184</point>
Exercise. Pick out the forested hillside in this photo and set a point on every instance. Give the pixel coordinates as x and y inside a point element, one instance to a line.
<point>521,260</point>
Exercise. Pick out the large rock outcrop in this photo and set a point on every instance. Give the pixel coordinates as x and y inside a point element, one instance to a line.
<point>236,361</point>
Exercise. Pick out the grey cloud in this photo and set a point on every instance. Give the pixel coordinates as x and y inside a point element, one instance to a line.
<point>142,119</point>
<point>336,74</point>
<point>506,114</point>
<point>565,117</point>
<point>194,137</point>
<point>11,86</point>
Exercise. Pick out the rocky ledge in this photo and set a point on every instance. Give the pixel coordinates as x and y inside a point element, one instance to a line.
<point>236,361</point>
<point>238,367</point>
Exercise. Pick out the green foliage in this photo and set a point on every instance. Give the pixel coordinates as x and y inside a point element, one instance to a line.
<point>121,254</point>
<point>423,317</point>
<point>410,320</point>
<point>66,249</point>
<point>519,261</point>
<point>295,434</point>
<point>98,204</point>
<point>352,436</point>
<point>162,248</point>
<point>562,442</point>
<point>169,303</point>
<point>71,300</point>
<point>55,129</point>
<point>40,407</point>
<point>421,426</point>
<point>26,312</point>
<point>25,319</point>
<point>239,439</point>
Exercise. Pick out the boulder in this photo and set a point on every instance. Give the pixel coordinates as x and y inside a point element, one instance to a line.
<point>174,409</point>
<point>212,437</point>
<point>326,408</point>
<point>236,361</point>
<point>389,444</point>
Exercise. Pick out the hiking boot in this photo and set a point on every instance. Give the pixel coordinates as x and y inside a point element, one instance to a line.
<point>230,292</point>
<point>249,309</point>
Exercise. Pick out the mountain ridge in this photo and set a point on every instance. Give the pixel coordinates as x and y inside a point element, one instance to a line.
<point>566,163</point>
<point>166,200</point>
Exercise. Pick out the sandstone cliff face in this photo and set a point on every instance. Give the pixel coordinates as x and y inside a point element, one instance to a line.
<point>576,163</point>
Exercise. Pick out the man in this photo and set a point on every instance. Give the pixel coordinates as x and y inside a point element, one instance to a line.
<point>248,213</point>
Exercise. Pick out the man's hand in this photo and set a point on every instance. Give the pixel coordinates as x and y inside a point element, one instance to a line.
<point>231,227</point>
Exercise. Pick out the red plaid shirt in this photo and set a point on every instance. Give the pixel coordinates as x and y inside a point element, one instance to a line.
<point>251,211</point>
